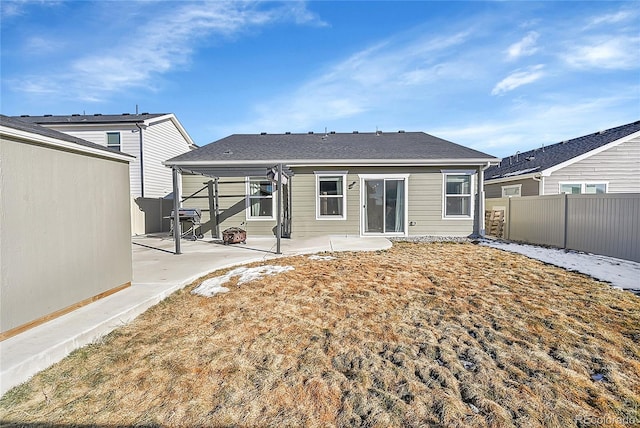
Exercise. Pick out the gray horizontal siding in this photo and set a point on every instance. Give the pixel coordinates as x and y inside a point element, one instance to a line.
<point>619,166</point>
<point>530,187</point>
<point>425,198</point>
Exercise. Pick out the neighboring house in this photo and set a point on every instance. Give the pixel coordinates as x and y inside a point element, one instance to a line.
<point>604,162</point>
<point>150,138</point>
<point>390,184</point>
<point>64,224</point>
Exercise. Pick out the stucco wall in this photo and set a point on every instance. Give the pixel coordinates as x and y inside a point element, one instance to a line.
<point>64,229</point>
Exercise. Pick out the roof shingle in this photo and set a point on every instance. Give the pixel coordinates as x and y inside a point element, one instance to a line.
<point>543,158</point>
<point>332,146</point>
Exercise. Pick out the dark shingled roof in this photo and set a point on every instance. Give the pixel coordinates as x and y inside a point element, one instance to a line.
<point>417,146</point>
<point>538,160</point>
<point>88,118</point>
<point>20,125</point>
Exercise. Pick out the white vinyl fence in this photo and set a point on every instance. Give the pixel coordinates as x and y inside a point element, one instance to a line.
<point>607,224</point>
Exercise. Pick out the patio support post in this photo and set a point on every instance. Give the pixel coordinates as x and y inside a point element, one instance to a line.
<point>217,201</point>
<point>212,209</point>
<point>279,212</point>
<point>176,209</point>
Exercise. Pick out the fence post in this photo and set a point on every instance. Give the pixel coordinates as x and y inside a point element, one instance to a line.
<point>508,220</point>
<point>565,206</point>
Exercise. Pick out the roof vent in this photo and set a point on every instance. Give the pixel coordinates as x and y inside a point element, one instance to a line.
<point>97,114</point>
<point>146,112</point>
<point>48,115</point>
<point>75,114</point>
<point>602,132</point>
<point>332,132</point>
<point>24,115</point>
<point>288,133</point>
<point>263,133</point>
<point>530,158</point>
<point>310,132</point>
<point>126,114</point>
<point>401,131</point>
<point>227,152</point>
<point>355,132</point>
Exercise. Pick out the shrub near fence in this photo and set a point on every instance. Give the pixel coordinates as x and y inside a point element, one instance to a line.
<point>607,224</point>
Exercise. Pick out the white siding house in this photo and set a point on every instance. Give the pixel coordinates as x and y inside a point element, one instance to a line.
<point>603,162</point>
<point>150,138</point>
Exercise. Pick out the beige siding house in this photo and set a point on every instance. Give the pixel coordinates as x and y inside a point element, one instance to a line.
<point>64,223</point>
<point>603,162</point>
<point>361,184</point>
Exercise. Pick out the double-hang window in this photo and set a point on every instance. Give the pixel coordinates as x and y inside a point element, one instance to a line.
<point>331,195</point>
<point>458,194</point>
<point>113,141</point>
<point>260,200</point>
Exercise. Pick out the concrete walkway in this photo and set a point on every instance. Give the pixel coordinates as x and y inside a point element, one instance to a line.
<point>157,273</point>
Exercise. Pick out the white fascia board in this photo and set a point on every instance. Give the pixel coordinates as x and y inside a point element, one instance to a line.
<point>512,178</point>
<point>296,163</point>
<point>62,144</point>
<point>177,124</point>
<point>547,172</point>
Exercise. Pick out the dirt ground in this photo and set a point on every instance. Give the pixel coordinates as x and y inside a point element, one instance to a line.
<point>438,334</point>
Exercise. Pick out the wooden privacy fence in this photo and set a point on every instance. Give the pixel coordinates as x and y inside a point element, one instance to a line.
<point>607,224</point>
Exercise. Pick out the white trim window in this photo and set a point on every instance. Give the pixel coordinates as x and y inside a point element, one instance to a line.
<point>457,199</point>
<point>512,191</point>
<point>113,141</point>
<point>587,188</point>
<point>260,200</point>
<point>331,196</point>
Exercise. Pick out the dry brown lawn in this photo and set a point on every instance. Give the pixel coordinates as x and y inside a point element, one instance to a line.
<point>419,335</point>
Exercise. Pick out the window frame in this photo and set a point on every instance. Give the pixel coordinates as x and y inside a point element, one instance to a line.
<point>470,196</point>
<point>512,186</point>
<point>113,147</point>
<point>583,186</point>
<point>249,197</point>
<point>318,197</point>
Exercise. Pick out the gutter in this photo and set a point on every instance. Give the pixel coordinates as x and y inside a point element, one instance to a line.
<point>293,163</point>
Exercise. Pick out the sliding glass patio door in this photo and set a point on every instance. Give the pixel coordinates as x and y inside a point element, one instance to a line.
<point>384,206</point>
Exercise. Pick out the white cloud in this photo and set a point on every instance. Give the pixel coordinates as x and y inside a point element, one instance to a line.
<point>616,53</point>
<point>529,125</point>
<point>517,79</point>
<point>386,71</point>
<point>164,46</point>
<point>525,47</point>
<point>613,18</point>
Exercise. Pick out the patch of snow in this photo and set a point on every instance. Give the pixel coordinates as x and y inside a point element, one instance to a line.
<point>213,286</point>
<point>321,258</point>
<point>620,273</point>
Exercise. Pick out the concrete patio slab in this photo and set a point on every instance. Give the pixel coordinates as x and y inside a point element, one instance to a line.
<point>157,273</point>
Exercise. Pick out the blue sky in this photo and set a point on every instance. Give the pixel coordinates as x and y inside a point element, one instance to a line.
<point>499,77</point>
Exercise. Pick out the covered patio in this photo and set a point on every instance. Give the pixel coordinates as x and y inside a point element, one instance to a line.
<point>279,174</point>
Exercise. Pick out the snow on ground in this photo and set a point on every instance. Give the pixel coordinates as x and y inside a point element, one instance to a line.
<point>321,258</point>
<point>620,273</point>
<point>213,286</point>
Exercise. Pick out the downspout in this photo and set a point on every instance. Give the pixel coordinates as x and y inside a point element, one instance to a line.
<point>140,128</point>
<point>540,181</point>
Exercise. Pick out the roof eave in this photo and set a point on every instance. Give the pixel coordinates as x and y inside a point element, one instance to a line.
<point>298,163</point>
